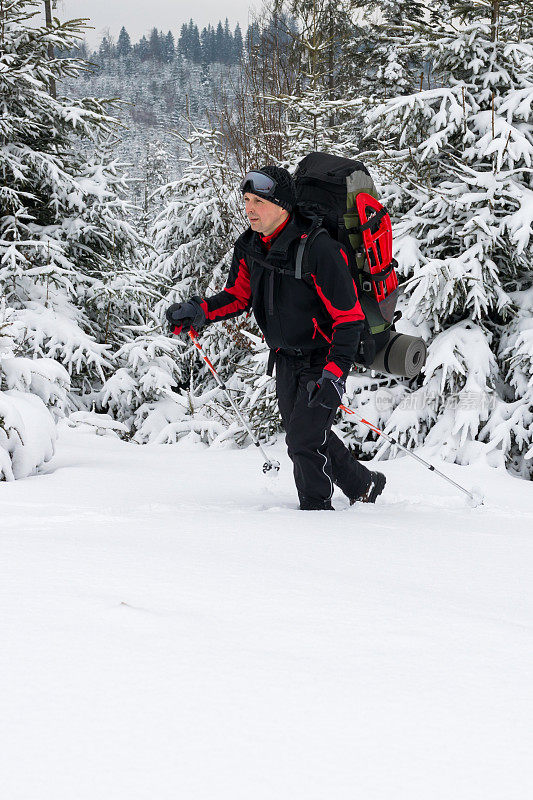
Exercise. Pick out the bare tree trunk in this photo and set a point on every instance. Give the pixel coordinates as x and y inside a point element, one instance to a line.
<point>2,21</point>
<point>331,61</point>
<point>254,128</point>
<point>495,16</point>
<point>48,12</point>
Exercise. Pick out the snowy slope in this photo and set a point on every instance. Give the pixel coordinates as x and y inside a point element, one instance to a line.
<point>173,627</point>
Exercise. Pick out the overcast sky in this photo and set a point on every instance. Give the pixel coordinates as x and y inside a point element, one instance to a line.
<point>139,16</point>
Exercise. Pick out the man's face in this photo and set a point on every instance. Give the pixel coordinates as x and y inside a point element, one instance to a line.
<point>264,216</point>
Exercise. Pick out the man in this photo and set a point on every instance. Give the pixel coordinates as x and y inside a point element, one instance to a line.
<point>312,321</point>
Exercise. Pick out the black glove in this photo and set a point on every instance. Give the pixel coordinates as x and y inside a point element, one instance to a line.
<point>327,392</point>
<point>183,316</point>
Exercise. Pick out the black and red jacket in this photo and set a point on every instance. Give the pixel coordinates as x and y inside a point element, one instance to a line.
<point>294,314</point>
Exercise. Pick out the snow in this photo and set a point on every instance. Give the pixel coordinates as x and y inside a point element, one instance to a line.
<point>55,335</point>
<point>102,422</point>
<point>27,434</point>
<point>174,627</point>
<point>43,376</point>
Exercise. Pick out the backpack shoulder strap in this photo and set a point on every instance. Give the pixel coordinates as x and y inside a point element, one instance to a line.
<point>302,255</point>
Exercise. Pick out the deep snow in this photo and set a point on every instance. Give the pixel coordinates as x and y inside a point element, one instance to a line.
<point>173,627</point>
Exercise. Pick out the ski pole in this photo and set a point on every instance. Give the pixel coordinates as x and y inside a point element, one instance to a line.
<point>476,500</point>
<point>269,462</point>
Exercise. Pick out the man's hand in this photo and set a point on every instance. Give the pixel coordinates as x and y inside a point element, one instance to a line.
<point>183,316</point>
<point>327,392</point>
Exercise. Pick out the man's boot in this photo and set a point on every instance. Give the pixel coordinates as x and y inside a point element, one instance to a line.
<point>373,490</point>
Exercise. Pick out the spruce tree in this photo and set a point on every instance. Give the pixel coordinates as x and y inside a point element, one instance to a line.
<point>311,39</point>
<point>194,48</point>
<point>156,173</point>
<point>183,41</point>
<point>32,398</point>
<point>463,195</point>
<point>124,47</point>
<point>142,49</point>
<point>204,44</point>
<point>253,36</point>
<point>107,49</point>
<point>220,44</point>
<point>168,48</point>
<point>238,44</point>
<point>65,243</point>
<point>386,55</point>
<point>156,46</point>
<point>228,43</point>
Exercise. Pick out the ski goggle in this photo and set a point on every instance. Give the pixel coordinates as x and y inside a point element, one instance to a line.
<point>258,183</point>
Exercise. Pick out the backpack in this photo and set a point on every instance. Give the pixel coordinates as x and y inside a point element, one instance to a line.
<point>342,194</point>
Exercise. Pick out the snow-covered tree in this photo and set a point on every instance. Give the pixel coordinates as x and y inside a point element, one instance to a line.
<point>168,48</point>
<point>388,59</point>
<point>124,48</point>
<point>193,237</point>
<point>32,398</point>
<point>317,37</point>
<point>290,98</point>
<point>107,49</point>
<point>237,43</point>
<point>65,243</point>
<point>162,389</point>
<point>156,168</point>
<point>463,192</point>
<point>308,126</point>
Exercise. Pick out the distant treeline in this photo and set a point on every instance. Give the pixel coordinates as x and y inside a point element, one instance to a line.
<point>210,45</point>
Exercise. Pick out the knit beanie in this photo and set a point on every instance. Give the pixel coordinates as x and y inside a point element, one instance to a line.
<point>284,192</point>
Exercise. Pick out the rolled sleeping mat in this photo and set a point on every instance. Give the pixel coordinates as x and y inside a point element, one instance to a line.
<point>402,355</point>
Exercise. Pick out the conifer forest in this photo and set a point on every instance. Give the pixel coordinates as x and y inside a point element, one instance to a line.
<point>179,617</point>
<point>119,172</point>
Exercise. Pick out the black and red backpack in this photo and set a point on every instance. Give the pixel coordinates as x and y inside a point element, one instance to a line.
<point>341,192</point>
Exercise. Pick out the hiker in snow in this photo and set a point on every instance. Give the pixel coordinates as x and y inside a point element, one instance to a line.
<point>312,326</point>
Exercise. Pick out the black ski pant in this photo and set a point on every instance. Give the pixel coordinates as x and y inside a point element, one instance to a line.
<point>319,457</point>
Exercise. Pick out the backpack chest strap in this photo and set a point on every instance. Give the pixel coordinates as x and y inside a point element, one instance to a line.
<point>272,267</point>
<point>300,269</point>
